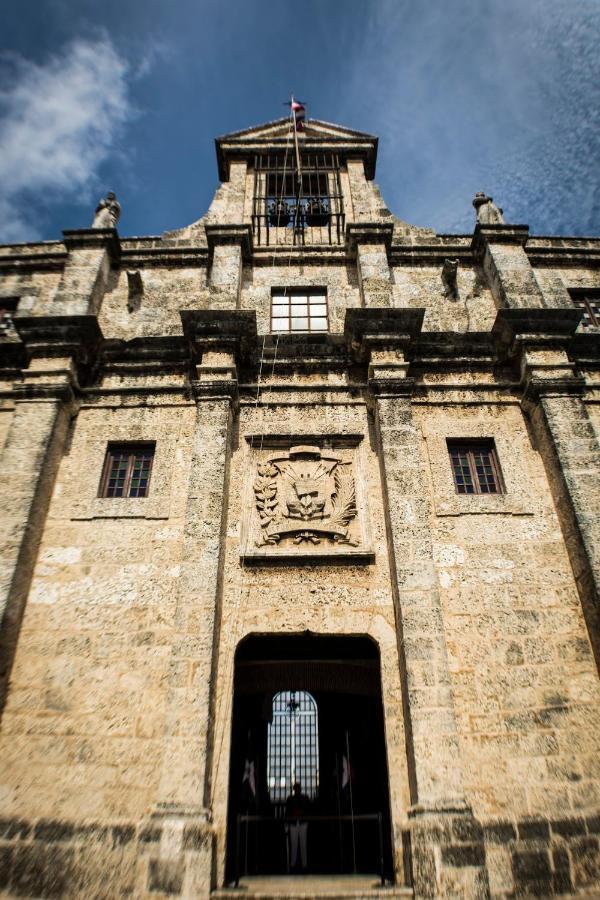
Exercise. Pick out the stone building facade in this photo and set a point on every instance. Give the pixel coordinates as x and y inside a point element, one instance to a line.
<point>371,474</point>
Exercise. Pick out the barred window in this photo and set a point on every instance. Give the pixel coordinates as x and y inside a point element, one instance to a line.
<point>293,745</point>
<point>475,467</point>
<point>127,469</point>
<point>588,300</point>
<point>296,310</point>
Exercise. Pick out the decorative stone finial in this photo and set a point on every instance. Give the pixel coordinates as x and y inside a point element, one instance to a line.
<point>487,211</point>
<point>107,212</point>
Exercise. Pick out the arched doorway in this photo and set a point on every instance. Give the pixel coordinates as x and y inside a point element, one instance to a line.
<point>307,709</point>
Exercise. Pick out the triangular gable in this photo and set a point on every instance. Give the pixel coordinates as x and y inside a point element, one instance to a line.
<point>279,128</point>
<point>316,134</point>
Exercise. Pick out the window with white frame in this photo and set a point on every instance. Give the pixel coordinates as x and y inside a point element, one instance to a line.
<point>299,309</point>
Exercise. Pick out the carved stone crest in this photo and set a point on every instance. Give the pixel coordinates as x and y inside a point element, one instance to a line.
<point>305,494</point>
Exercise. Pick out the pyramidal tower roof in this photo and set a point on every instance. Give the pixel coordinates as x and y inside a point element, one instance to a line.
<point>316,136</point>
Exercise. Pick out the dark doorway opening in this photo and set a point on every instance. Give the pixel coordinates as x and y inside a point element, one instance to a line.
<point>308,708</point>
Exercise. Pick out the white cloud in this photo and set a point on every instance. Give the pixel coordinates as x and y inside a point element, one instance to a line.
<point>495,96</point>
<point>59,122</point>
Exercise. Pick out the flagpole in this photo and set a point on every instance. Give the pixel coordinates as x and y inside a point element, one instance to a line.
<point>351,801</point>
<point>296,140</point>
<point>298,172</point>
<point>338,766</point>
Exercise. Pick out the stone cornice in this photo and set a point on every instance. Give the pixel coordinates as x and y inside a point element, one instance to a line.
<point>243,147</point>
<point>384,388</point>
<point>429,254</point>
<point>62,391</point>
<point>381,327</point>
<point>554,327</point>
<point>93,239</point>
<point>483,235</point>
<point>46,261</point>
<point>56,336</point>
<point>217,389</point>
<point>167,256</point>
<point>240,234</point>
<point>231,330</point>
<point>368,233</point>
<point>536,388</point>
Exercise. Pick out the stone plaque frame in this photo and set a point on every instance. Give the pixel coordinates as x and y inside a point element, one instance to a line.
<point>305,500</point>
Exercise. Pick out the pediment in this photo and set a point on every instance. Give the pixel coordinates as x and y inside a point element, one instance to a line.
<point>280,128</point>
<point>316,135</point>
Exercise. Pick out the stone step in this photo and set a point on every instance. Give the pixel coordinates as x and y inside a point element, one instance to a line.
<point>307,887</point>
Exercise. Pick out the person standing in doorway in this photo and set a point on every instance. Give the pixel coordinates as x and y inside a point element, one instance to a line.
<point>296,810</point>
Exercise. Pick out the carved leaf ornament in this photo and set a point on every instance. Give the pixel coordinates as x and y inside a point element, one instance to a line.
<point>305,494</point>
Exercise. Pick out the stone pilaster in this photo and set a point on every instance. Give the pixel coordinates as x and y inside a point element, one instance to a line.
<point>448,856</point>
<point>229,246</point>
<point>83,284</point>
<point>369,243</point>
<point>183,801</point>
<point>59,348</point>
<point>537,342</point>
<point>501,250</point>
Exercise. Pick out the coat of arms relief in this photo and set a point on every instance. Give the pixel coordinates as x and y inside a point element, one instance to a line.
<point>307,495</point>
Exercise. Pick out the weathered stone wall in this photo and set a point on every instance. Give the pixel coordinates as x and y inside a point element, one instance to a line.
<point>165,291</point>
<point>327,599</point>
<point>82,729</point>
<point>115,742</point>
<point>421,287</point>
<point>555,283</point>
<point>525,685</point>
<point>339,280</point>
<point>36,289</point>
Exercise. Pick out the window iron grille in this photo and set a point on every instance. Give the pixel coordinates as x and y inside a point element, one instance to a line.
<point>293,746</point>
<point>475,467</point>
<point>127,469</point>
<point>299,310</point>
<point>587,300</point>
<point>293,209</point>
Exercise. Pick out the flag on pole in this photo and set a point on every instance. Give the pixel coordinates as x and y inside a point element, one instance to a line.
<point>250,776</point>
<point>347,773</point>
<point>299,111</point>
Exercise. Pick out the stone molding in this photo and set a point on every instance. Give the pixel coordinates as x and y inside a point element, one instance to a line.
<point>241,235</point>
<point>156,506</point>
<point>389,328</point>
<point>498,234</point>
<point>556,325</point>
<point>447,502</point>
<point>93,239</point>
<point>60,336</point>
<point>368,233</point>
<point>232,330</point>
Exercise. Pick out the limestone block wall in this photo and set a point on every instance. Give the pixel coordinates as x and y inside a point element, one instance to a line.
<point>340,281</point>
<point>525,685</point>
<point>421,287</point>
<point>326,598</point>
<point>229,202</point>
<point>36,289</point>
<point>82,728</point>
<point>6,415</point>
<point>166,290</point>
<point>555,282</point>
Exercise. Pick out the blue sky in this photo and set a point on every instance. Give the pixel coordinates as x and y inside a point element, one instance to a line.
<point>465,95</point>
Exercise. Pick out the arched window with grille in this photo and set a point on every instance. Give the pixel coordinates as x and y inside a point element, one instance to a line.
<point>293,745</point>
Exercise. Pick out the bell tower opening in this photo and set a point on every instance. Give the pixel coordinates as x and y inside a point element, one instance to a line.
<point>294,206</point>
<point>308,786</point>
